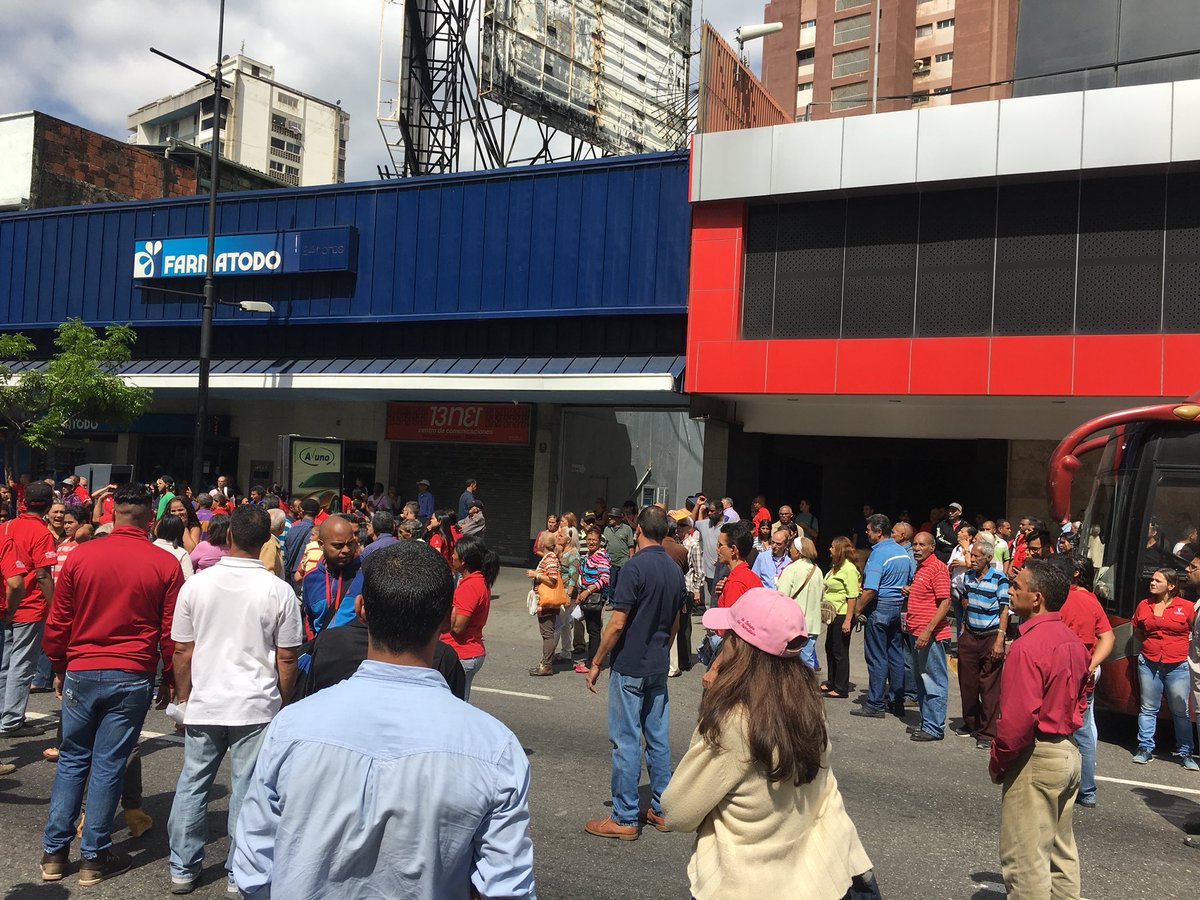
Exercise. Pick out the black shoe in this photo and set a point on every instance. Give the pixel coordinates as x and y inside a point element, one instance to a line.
<point>962,731</point>
<point>983,744</point>
<point>921,736</point>
<point>913,729</point>
<point>24,730</point>
<point>897,710</point>
<point>107,864</point>
<point>1087,804</point>
<point>867,713</point>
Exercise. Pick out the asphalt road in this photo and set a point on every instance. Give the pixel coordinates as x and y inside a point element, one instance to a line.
<point>926,813</point>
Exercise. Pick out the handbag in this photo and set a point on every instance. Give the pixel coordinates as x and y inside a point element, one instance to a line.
<point>552,597</point>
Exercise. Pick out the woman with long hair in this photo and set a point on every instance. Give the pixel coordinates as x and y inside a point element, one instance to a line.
<point>477,568</point>
<point>755,784</point>
<point>168,534</point>
<point>569,520</point>
<point>762,537</point>
<point>842,587</point>
<point>212,548</point>
<point>551,528</point>
<point>1163,624</point>
<point>184,511</point>
<point>568,566</point>
<point>442,536</point>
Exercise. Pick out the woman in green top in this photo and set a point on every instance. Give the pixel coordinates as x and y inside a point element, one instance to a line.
<point>568,567</point>
<point>842,587</point>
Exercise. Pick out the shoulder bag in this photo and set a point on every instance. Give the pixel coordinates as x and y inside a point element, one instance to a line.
<point>553,597</point>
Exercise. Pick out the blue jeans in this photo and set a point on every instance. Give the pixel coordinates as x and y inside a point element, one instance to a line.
<point>1153,679</point>
<point>471,668</point>
<point>637,709</point>
<point>1085,739</point>
<point>44,676</point>
<point>102,715</point>
<point>911,674</point>
<point>808,652</point>
<point>933,682</point>
<point>885,654</point>
<point>204,746</point>
<point>22,644</point>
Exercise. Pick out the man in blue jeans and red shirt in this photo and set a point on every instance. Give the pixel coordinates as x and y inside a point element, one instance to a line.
<point>647,604</point>
<point>889,570</point>
<point>109,625</point>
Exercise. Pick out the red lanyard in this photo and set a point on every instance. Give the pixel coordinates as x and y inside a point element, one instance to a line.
<point>338,600</point>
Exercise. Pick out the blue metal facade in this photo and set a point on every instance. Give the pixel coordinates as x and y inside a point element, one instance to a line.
<point>604,237</point>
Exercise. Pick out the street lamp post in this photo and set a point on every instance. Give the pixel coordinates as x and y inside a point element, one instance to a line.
<point>206,316</point>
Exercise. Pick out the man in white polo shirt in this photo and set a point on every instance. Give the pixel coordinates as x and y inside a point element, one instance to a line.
<point>236,630</point>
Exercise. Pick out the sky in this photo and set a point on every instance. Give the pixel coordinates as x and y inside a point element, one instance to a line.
<point>88,61</point>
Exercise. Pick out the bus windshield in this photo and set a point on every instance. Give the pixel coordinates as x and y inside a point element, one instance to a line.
<point>1098,527</point>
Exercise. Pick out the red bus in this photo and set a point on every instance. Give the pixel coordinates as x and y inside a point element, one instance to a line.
<point>1144,499</point>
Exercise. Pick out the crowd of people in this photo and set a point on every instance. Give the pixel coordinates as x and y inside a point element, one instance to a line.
<point>327,654</point>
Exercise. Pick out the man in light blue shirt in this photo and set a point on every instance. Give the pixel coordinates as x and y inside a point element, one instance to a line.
<point>769,566</point>
<point>888,571</point>
<point>386,785</point>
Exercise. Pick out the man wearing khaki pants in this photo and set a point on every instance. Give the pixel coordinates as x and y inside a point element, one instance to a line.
<point>1042,701</point>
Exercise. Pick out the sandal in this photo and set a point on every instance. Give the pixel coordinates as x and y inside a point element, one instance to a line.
<point>834,695</point>
<point>825,688</point>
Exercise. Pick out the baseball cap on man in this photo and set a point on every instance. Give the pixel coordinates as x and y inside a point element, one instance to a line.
<point>615,512</point>
<point>957,506</point>
<point>763,618</point>
<point>424,482</point>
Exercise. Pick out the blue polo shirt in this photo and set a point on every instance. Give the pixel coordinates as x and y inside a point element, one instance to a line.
<point>651,592</point>
<point>889,568</point>
<point>983,596</point>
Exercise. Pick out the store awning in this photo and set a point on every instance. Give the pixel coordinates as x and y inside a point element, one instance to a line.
<point>609,380</point>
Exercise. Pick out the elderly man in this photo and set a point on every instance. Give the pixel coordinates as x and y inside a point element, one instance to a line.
<point>928,637</point>
<point>786,518</point>
<point>769,566</point>
<point>330,588</point>
<point>982,592</point>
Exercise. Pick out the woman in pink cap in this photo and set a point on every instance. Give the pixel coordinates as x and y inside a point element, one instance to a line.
<point>761,731</point>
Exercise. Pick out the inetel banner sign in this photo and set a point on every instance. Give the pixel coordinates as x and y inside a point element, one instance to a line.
<point>273,253</point>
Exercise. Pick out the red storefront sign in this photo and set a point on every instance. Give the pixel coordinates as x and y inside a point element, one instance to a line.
<point>458,423</point>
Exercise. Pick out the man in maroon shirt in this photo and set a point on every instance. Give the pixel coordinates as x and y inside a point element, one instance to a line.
<point>1041,706</point>
<point>928,635</point>
<point>109,625</point>
<point>28,548</point>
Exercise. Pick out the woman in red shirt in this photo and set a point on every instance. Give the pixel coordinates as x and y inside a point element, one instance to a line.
<point>477,567</point>
<point>1163,624</point>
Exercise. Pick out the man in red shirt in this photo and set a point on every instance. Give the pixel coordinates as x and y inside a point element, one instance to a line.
<point>758,506</point>
<point>1041,706</point>
<point>734,543</point>
<point>109,626</point>
<point>1084,615</point>
<point>927,632</point>
<point>29,550</point>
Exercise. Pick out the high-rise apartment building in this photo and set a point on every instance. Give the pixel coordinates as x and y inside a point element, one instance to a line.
<point>292,136</point>
<point>829,61</point>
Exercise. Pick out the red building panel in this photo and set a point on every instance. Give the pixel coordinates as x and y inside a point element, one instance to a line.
<point>873,366</point>
<point>952,365</point>
<point>1038,365</point>
<point>802,367</point>
<point>1118,365</point>
<point>729,367</point>
<point>1181,365</point>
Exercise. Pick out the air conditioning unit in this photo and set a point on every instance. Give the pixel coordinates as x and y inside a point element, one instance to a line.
<point>920,67</point>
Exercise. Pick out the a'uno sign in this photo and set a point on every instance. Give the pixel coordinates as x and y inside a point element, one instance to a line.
<point>274,253</point>
<point>459,423</point>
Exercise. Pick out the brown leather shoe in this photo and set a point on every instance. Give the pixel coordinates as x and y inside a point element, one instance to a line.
<point>607,828</point>
<point>54,865</point>
<point>107,864</point>
<point>653,818</point>
<point>541,671</point>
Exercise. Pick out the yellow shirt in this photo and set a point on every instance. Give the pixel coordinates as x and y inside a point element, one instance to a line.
<point>842,585</point>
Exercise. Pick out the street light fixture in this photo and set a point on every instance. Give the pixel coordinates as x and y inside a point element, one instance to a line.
<point>260,306</point>
<point>209,295</point>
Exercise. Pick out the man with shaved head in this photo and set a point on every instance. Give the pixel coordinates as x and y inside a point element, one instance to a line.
<point>330,588</point>
<point>928,637</point>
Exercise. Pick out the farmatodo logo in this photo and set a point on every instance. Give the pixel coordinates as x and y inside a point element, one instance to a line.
<point>145,261</point>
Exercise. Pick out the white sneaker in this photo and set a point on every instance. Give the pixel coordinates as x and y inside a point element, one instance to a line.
<point>231,886</point>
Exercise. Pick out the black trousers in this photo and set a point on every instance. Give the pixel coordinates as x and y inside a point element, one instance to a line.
<point>837,656</point>
<point>593,622</point>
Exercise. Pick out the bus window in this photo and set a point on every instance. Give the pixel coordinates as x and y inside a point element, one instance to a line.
<point>1097,532</point>
<point>1171,515</point>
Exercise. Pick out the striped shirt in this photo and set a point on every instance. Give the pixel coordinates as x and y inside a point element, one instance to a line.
<point>983,596</point>
<point>594,570</point>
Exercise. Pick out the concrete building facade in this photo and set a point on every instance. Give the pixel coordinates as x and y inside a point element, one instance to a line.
<point>292,136</point>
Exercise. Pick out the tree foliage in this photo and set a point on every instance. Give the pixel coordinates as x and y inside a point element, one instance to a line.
<point>80,379</point>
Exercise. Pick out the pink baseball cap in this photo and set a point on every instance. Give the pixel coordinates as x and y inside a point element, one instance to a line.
<point>764,618</point>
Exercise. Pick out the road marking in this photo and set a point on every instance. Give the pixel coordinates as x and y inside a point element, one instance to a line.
<point>510,693</point>
<point>1146,784</point>
<point>146,735</point>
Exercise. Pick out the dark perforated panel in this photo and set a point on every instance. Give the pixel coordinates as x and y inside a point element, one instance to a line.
<point>1120,255</point>
<point>954,266</point>
<point>881,256</point>
<point>758,289</point>
<point>1035,258</point>
<point>808,293</point>
<point>1181,311</point>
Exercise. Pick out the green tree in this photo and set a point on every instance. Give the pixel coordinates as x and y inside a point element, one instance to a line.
<point>80,379</point>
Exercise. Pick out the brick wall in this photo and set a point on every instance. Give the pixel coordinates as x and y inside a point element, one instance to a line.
<point>505,487</point>
<point>73,166</point>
